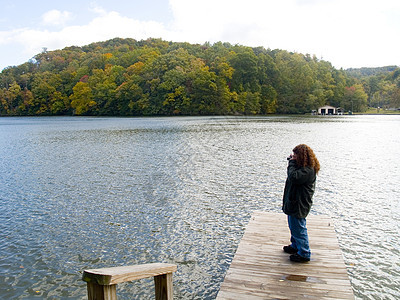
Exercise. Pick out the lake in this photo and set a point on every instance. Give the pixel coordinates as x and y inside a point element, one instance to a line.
<point>79,193</point>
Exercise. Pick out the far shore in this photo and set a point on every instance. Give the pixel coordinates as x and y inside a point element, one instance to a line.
<point>378,111</point>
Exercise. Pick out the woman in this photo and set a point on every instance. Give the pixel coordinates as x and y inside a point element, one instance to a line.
<point>297,199</point>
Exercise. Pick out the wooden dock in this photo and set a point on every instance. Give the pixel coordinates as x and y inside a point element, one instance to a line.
<point>261,270</point>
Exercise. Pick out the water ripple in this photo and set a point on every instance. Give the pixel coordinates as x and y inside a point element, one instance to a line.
<point>82,193</point>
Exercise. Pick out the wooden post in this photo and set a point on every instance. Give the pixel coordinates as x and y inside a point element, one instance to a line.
<point>163,287</point>
<point>101,292</point>
<point>102,283</point>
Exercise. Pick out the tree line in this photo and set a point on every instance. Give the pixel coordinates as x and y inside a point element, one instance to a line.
<point>125,77</point>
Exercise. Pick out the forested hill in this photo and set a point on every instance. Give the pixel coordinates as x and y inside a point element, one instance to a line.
<point>125,77</point>
<point>366,72</point>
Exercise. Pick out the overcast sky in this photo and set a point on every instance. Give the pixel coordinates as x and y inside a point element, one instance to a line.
<point>347,33</point>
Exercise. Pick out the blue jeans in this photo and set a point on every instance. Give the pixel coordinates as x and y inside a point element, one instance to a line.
<point>299,236</point>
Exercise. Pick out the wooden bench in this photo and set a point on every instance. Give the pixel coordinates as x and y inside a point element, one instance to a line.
<point>102,283</point>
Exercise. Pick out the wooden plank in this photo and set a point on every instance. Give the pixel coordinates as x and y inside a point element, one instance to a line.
<point>261,270</point>
<point>115,275</point>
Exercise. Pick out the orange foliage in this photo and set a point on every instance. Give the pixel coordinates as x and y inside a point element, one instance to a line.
<point>107,55</point>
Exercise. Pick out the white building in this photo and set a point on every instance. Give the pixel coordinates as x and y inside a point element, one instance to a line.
<point>327,110</point>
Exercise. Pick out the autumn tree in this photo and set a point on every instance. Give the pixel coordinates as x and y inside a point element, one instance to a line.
<point>82,99</point>
<point>124,77</point>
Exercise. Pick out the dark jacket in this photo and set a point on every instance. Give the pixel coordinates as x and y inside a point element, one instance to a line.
<point>299,190</point>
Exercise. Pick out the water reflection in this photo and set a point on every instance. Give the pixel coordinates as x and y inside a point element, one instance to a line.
<point>82,193</point>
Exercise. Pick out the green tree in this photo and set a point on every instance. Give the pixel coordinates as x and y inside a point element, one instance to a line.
<point>252,102</point>
<point>82,99</point>
<point>59,104</point>
<point>44,85</point>
<point>340,83</point>
<point>224,73</point>
<point>130,99</point>
<point>4,108</point>
<point>176,100</point>
<point>103,90</point>
<point>27,102</point>
<point>268,100</point>
<point>13,96</point>
<point>297,83</point>
<point>202,88</point>
<point>355,99</point>
<point>244,63</point>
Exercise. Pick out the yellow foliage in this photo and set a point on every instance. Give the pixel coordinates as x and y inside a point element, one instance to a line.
<point>107,55</point>
<point>135,68</point>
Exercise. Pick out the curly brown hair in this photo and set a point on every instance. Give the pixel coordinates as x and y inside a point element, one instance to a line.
<point>306,157</point>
